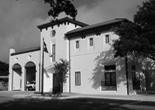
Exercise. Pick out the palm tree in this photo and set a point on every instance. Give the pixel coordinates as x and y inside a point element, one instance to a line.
<point>61,68</point>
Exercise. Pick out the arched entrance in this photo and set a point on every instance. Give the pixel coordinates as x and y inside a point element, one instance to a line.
<point>16,77</point>
<point>30,76</point>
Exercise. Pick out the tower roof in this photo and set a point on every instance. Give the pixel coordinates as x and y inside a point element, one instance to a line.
<point>60,21</point>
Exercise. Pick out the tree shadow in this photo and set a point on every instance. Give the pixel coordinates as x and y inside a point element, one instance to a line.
<point>144,68</point>
<point>107,58</point>
<point>66,104</point>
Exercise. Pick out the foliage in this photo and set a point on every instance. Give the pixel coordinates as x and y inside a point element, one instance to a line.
<point>4,69</point>
<point>59,6</point>
<point>61,68</point>
<point>138,37</point>
<point>145,19</point>
<point>124,45</point>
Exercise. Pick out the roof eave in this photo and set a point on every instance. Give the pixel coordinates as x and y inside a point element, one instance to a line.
<point>96,30</point>
<point>61,21</point>
<point>26,51</point>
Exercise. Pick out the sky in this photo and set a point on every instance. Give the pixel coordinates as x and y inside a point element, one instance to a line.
<point>19,19</point>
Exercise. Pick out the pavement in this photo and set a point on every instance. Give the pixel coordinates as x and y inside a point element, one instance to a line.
<point>138,102</point>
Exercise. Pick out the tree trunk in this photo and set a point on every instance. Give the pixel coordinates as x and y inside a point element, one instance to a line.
<point>127,79</point>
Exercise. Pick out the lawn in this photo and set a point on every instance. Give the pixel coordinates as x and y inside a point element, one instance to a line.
<point>65,104</point>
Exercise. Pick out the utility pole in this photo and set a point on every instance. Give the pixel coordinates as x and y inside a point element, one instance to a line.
<point>42,66</point>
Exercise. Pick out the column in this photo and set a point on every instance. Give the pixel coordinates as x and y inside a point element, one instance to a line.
<point>23,78</point>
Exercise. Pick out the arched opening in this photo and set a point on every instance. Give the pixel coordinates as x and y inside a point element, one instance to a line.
<point>30,76</point>
<point>16,77</point>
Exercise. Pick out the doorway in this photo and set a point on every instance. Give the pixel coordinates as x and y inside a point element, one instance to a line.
<point>57,87</point>
<point>30,76</point>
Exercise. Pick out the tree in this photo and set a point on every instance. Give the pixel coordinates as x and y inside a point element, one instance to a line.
<point>4,69</point>
<point>59,6</point>
<point>137,38</point>
<point>61,68</point>
<point>145,20</point>
<point>128,39</point>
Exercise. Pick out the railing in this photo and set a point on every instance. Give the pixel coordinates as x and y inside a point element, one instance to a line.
<point>108,85</point>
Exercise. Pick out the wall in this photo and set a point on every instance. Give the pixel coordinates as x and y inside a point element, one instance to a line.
<point>90,62</point>
<point>61,51</point>
<point>22,60</point>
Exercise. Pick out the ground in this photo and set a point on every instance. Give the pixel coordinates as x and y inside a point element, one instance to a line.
<point>25,101</point>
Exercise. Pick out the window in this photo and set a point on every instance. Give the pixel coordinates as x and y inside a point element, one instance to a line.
<point>78,78</point>
<point>110,68</point>
<point>53,52</point>
<point>52,34</point>
<point>109,82</point>
<point>91,42</point>
<point>133,68</point>
<point>77,44</point>
<point>135,78</point>
<point>110,79</point>
<point>107,38</point>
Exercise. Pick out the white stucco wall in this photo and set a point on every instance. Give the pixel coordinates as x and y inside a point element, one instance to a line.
<point>22,60</point>
<point>62,51</point>
<point>90,62</point>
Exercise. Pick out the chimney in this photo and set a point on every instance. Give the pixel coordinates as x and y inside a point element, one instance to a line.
<point>12,51</point>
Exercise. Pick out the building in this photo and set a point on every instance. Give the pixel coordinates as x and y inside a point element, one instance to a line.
<point>23,67</point>
<point>88,48</point>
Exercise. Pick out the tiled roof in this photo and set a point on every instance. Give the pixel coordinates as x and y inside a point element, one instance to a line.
<point>60,21</point>
<point>26,50</point>
<point>94,27</point>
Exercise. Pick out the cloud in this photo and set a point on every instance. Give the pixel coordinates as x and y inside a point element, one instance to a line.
<point>88,3</point>
<point>108,9</point>
<point>19,20</point>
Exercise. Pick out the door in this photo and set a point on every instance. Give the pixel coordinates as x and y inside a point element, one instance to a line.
<point>57,87</point>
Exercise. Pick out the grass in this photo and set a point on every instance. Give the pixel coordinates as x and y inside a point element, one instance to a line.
<point>65,104</point>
